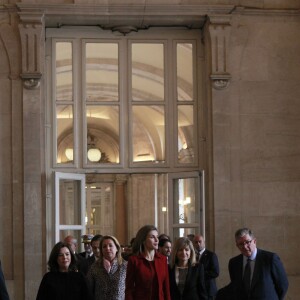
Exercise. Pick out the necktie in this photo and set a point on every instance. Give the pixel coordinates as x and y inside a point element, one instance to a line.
<point>247,276</point>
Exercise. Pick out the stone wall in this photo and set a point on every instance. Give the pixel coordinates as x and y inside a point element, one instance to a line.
<point>256,140</point>
<point>255,148</point>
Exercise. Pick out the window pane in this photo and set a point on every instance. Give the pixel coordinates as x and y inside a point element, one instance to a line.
<point>185,72</point>
<point>148,133</point>
<point>70,204</point>
<point>64,133</point>
<point>184,232</point>
<point>186,205</point>
<point>100,207</point>
<point>148,72</point>
<point>102,72</point>
<point>185,133</point>
<point>103,134</point>
<point>64,77</point>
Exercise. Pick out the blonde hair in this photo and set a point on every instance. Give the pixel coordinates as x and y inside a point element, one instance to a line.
<point>117,244</point>
<point>179,244</point>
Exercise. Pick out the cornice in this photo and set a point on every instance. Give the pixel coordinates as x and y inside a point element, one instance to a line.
<point>242,10</point>
<point>127,9</point>
<point>148,10</point>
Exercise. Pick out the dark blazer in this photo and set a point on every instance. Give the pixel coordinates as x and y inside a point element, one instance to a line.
<point>90,260</point>
<point>3,291</point>
<point>81,263</point>
<point>64,286</point>
<point>139,278</point>
<point>211,271</point>
<point>269,279</point>
<point>194,288</point>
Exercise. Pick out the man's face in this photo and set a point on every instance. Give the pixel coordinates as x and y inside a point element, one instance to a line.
<point>246,245</point>
<point>87,248</point>
<point>199,243</point>
<point>71,244</point>
<point>166,249</point>
<point>96,248</point>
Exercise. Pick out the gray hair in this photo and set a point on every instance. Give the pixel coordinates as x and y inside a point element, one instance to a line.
<point>242,232</point>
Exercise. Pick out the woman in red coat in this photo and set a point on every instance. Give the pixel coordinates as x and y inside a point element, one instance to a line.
<point>147,274</point>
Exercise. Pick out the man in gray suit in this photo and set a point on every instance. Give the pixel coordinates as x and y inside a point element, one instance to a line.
<point>3,291</point>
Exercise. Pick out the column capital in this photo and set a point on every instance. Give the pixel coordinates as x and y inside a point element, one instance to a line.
<point>120,179</point>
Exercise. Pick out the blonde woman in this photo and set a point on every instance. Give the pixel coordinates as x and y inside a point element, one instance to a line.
<point>107,275</point>
<point>186,277</point>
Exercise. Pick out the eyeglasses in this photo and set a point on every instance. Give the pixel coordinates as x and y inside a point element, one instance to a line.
<point>246,243</point>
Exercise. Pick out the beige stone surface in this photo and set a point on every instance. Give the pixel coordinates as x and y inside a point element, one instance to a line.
<point>257,177</point>
<point>255,130</point>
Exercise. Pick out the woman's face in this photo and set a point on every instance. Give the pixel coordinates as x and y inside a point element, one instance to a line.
<point>64,259</point>
<point>109,249</point>
<point>183,255</point>
<point>151,242</point>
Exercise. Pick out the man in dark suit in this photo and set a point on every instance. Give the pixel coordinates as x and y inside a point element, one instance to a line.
<point>210,262</point>
<point>81,262</point>
<point>3,290</point>
<point>256,273</point>
<point>86,240</point>
<point>95,244</point>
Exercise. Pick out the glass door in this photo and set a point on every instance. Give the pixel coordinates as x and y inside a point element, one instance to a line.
<point>186,204</point>
<point>70,205</point>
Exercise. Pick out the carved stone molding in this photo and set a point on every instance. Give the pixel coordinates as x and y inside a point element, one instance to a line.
<point>121,179</point>
<point>31,80</point>
<point>220,81</point>
<point>219,29</point>
<point>31,31</point>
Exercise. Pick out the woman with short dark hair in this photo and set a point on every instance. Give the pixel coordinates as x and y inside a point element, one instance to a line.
<point>63,281</point>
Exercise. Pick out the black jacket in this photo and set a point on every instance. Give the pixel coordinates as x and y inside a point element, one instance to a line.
<point>3,291</point>
<point>211,271</point>
<point>194,288</point>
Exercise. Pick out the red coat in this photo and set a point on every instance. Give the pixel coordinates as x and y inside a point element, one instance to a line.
<point>139,278</point>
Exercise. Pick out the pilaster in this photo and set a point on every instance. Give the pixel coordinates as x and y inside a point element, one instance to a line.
<point>219,28</point>
<point>31,29</point>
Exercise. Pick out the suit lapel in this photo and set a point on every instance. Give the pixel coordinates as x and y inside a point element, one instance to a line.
<point>239,269</point>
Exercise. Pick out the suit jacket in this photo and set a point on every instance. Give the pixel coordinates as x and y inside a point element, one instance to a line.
<point>194,288</point>
<point>90,260</point>
<point>81,263</point>
<point>3,291</point>
<point>211,271</point>
<point>269,280</point>
<point>83,254</point>
<point>139,278</point>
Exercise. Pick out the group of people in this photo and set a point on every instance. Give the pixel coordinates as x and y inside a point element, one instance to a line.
<point>157,270</point>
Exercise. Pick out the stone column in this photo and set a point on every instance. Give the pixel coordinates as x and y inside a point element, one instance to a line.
<point>216,36</point>
<point>31,28</point>
<point>121,209</point>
